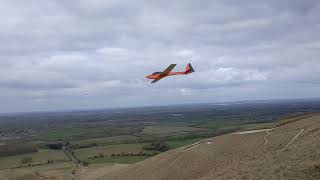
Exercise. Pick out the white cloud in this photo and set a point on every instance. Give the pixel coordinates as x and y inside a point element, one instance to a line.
<point>62,61</point>
<point>231,75</point>
<point>243,24</point>
<point>114,52</point>
<point>185,53</point>
<point>185,91</point>
<point>312,45</point>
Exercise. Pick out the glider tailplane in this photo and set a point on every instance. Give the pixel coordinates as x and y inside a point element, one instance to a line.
<point>189,69</point>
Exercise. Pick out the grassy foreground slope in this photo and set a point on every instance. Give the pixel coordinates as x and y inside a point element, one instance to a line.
<point>290,150</point>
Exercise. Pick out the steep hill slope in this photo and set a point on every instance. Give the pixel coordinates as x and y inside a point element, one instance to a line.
<point>289,151</point>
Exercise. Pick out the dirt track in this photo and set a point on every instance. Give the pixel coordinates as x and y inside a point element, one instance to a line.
<point>291,151</point>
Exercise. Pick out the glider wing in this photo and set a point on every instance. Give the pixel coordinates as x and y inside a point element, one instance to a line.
<point>169,69</point>
<point>156,80</point>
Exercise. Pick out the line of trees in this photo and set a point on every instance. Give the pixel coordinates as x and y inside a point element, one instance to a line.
<point>133,154</point>
<point>123,154</point>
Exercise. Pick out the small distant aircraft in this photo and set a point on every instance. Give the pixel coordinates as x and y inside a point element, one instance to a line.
<point>156,76</point>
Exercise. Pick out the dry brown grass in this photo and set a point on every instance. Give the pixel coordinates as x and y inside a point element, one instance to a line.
<point>234,156</point>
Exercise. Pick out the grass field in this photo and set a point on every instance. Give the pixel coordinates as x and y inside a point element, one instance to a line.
<point>70,133</point>
<point>40,157</point>
<point>108,140</point>
<point>168,130</point>
<point>219,124</point>
<point>55,171</point>
<point>106,132</point>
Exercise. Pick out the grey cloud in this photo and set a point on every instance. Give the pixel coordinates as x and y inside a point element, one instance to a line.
<point>35,85</point>
<point>53,51</point>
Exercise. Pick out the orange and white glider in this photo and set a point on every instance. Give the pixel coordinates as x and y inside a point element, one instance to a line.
<point>156,76</point>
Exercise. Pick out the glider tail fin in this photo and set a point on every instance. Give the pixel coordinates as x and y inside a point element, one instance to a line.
<point>189,69</point>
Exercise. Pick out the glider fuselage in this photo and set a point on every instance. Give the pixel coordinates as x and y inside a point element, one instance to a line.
<point>158,75</point>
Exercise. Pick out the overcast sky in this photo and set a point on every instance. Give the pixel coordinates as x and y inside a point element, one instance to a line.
<point>83,54</point>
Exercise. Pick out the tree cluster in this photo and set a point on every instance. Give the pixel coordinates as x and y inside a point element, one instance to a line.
<point>54,146</point>
<point>159,145</point>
